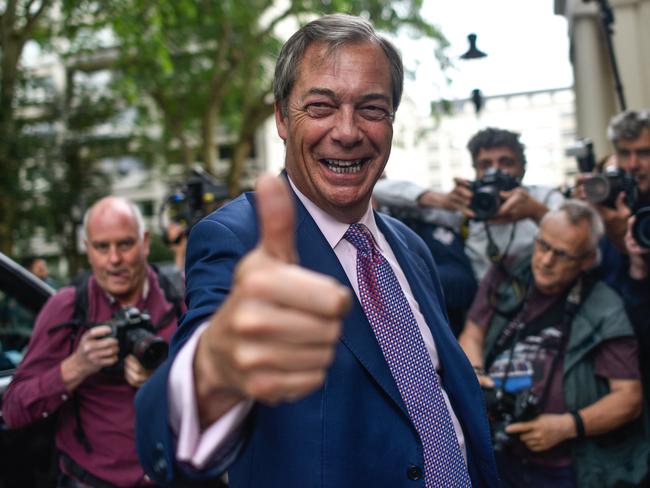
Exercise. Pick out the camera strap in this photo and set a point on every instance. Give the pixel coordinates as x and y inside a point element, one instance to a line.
<point>568,308</point>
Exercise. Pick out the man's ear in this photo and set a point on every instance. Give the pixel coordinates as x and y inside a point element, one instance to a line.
<point>281,122</point>
<point>589,261</point>
<point>146,241</point>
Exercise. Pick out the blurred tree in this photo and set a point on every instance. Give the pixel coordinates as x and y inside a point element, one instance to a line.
<point>53,146</point>
<point>208,65</point>
<point>20,21</point>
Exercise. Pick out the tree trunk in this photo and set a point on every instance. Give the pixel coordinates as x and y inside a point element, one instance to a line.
<point>9,184</point>
<point>209,142</point>
<point>240,153</point>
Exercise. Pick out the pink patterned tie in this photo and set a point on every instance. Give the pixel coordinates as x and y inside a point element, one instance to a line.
<point>399,337</point>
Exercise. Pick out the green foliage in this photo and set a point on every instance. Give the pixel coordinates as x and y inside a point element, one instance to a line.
<point>190,68</point>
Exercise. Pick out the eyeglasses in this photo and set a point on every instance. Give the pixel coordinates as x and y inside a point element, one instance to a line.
<point>545,247</point>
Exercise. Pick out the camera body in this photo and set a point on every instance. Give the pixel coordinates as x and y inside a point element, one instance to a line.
<point>583,151</point>
<point>505,408</point>
<point>604,188</point>
<point>487,199</point>
<point>135,335</point>
<point>191,200</point>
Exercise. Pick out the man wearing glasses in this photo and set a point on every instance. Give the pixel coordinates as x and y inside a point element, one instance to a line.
<point>556,355</point>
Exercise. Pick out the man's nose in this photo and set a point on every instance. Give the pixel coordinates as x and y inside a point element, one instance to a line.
<point>548,257</point>
<point>346,130</point>
<point>633,163</point>
<point>114,254</point>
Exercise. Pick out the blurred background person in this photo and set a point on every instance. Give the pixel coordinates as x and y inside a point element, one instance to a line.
<point>38,267</point>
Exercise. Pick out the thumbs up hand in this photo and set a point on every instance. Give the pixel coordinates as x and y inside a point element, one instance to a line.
<point>275,335</point>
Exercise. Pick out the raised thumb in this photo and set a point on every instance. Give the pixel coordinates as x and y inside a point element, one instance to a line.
<point>276,214</point>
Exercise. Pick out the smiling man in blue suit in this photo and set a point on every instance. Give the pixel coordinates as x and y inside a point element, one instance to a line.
<point>315,351</point>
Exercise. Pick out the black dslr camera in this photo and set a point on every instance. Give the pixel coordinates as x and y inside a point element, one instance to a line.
<point>487,200</point>
<point>191,200</point>
<point>505,408</point>
<point>604,188</point>
<point>135,335</point>
<point>583,151</point>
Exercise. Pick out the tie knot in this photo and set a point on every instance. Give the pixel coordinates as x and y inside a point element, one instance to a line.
<point>360,237</point>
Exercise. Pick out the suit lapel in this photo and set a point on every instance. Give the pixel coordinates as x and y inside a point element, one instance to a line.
<point>316,254</point>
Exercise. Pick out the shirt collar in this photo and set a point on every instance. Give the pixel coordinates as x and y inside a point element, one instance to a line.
<point>332,229</point>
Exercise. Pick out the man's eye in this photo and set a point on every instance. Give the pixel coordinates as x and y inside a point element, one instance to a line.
<point>125,245</point>
<point>374,113</point>
<point>319,110</point>
<point>101,247</point>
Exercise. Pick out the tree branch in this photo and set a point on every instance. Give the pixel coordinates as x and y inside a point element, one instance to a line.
<point>32,19</point>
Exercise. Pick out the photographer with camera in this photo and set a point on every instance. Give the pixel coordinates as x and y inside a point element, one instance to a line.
<point>502,215</point>
<point>93,346</point>
<point>556,354</point>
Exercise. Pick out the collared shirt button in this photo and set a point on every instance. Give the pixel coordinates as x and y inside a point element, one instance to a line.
<point>414,473</point>
<point>64,397</point>
<point>45,415</point>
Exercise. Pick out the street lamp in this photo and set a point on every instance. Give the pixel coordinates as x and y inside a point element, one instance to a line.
<point>474,53</point>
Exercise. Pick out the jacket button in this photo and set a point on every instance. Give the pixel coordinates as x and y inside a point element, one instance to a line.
<point>414,473</point>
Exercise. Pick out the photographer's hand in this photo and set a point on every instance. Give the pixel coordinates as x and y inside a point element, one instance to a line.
<point>134,373</point>
<point>94,352</point>
<point>615,220</point>
<point>274,337</point>
<point>544,431</point>
<point>459,198</point>
<point>518,205</point>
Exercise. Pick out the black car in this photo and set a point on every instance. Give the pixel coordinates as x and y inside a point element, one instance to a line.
<point>27,457</point>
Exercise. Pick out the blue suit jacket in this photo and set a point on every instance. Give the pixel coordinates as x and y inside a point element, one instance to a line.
<point>352,432</point>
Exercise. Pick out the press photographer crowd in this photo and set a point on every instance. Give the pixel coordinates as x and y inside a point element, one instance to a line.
<point>546,290</point>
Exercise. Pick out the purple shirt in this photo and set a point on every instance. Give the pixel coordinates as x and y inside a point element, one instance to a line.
<point>106,402</point>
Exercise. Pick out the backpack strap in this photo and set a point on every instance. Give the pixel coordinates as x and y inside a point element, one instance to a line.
<point>78,320</point>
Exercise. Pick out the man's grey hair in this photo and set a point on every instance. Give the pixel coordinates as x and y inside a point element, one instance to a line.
<point>577,211</point>
<point>335,31</point>
<point>628,125</point>
<point>135,212</point>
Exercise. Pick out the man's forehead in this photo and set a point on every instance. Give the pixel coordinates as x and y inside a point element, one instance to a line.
<point>643,139</point>
<point>558,230</point>
<point>112,226</point>
<point>496,152</point>
<point>320,57</point>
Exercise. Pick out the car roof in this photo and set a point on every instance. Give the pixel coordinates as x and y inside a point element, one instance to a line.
<point>27,289</point>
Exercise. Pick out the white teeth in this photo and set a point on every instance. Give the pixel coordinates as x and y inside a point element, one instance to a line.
<point>344,166</point>
<point>342,163</point>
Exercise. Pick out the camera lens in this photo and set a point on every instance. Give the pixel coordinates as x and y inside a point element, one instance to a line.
<point>597,188</point>
<point>148,348</point>
<point>641,227</point>
<point>486,202</point>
